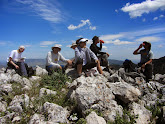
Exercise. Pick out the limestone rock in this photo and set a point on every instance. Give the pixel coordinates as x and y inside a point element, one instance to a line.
<point>55,112</point>
<point>144,115</point>
<point>40,71</point>
<point>93,118</point>
<point>18,102</point>
<point>44,91</point>
<point>6,88</point>
<point>125,92</point>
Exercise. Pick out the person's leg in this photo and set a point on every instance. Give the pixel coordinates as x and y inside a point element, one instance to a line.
<point>148,72</point>
<point>23,69</point>
<point>99,67</point>
<point>79,69</point>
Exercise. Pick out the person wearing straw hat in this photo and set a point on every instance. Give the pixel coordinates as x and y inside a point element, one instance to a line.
<point>85,58</point>
<point>16,61</point>
<point>146,59</point>
<point>53,58</point>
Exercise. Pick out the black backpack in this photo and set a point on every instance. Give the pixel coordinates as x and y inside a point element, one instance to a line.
<point>129,66</point>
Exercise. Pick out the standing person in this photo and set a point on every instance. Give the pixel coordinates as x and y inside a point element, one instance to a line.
<point>146,59</point>
<point>85,58</point>
<point>53,58</point>
<point>103,56</point>
<point>15,61</point>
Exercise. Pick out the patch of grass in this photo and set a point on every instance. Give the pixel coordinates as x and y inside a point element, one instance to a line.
<point>56,81</point>
<point>81,121</point>
<point>127,118</point>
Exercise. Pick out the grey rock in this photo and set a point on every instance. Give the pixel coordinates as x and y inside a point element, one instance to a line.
<point>26,84</point>
<point>44,91</point>
<point>3,106</point>
<point>40,71</point>
<point>4,78</point>
<point>17,78</point>
<point>16,119</point>
<point>37,119</point>
<point>93,118</point>
<point>125,91</point>
<point>114,78</point>
<point>35,78</point>
<point>55,112</point>
<point>18,102</point>
<point>6,88</point>
<point>159,77</point>
<point>144,115</point>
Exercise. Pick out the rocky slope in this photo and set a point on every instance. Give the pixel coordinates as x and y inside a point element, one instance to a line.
<point>115,97</point>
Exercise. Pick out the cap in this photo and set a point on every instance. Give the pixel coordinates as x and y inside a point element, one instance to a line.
<point>83,40</point>
<point>23,47</point>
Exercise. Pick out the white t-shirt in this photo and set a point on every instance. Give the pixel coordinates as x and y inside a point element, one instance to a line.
<point>14,55</point>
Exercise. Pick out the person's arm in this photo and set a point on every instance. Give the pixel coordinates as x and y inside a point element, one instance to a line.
<point>78,54</point>
<point>96,49</point>
<point>146,63</point>
<point>151,57</point>
<point>65,60</point>
<point>15,65</point>
<point>137,50</point>
<point>92,54</point>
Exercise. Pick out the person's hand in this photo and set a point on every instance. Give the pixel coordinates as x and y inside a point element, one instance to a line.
<point>143,66</point>
<point>96,61</point>
<point>141,45</point>
<point>107,54</point>
<point>69,62</point>
<point>60,67</point>
<point>16,66</point>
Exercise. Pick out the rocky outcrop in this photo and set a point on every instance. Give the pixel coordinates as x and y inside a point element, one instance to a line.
<point>110,95</point>
<point>93,118</point>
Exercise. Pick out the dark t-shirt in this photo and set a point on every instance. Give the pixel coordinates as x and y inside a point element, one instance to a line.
<point>146,55</point>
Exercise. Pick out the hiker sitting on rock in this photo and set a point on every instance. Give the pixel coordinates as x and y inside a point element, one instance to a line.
<point>146,59</point>
<point>53,58</point>
<point>15,61</point>
<point>103,56</point>
<point>85,58</point>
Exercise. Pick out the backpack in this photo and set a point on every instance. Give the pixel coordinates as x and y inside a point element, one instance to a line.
<point>129,66</point>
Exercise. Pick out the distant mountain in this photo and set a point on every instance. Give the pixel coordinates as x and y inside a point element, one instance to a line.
<point>115,62</point>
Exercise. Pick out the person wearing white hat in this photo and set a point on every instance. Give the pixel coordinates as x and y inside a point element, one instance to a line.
<point>53,58</point>
<point>85,58</point>
<point>15,61</point>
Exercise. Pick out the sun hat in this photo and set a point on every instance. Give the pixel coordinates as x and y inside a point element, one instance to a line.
<point>57,46</point>
<point>23,47</point>
<point>73,44</point>
<point>83,40</point>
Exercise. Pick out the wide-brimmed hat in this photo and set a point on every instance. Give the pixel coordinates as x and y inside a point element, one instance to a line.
<point>73,44</point>
<point>83,40</point>
<point>95,38</point>
<point>57,46</point>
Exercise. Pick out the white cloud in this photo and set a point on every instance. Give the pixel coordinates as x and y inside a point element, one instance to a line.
<point>27,45</point>
<point>150,39</point>
<point>79,36</point>
<point>105,47</point>
<point>46,43</point>
<point>161,16</point>
<point>111,36</point>
<point>155,18</point>
<point>138,9</point>
<point>2,43</point>
<point>46,9</point>
<point>118,42</point>
<point>144,20</point>
<point>160,46</point>
<point>116,11</point>
<point>83,23</point>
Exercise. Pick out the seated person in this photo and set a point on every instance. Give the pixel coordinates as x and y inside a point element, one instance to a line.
<point>53,58</point>
<point>103,56</point>
<point>15,61</point>
<point>85,58</point>
<point>146,59</point>
<point>73,46</point>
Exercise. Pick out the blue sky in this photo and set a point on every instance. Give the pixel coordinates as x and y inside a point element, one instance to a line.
<point>122,24</point>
